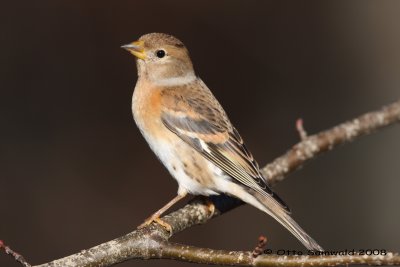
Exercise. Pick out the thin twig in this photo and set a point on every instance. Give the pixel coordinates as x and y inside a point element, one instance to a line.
<point>300,129</point>
<point>18,257</point>
<point>259,249</point>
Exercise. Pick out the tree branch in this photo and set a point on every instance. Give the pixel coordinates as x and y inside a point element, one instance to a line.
<point>152,242</point>
<point>314,145</point>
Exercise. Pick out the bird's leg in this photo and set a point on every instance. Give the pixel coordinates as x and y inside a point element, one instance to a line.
<point>156,216</point>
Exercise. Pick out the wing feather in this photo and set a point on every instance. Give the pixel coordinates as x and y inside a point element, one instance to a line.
<point>199,120</point>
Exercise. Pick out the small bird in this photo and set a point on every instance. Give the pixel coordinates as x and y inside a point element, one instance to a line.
<point>191,134</point>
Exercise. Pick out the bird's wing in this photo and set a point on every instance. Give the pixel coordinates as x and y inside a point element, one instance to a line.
<point>193,114</point>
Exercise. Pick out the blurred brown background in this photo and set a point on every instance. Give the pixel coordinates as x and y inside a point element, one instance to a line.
<point>75,171</point>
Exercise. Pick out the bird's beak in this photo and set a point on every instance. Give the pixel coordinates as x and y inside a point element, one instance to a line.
<point>136,49</point>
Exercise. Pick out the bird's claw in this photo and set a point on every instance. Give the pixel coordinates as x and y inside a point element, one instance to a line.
<point>157,220</point>
<point>210,206</point>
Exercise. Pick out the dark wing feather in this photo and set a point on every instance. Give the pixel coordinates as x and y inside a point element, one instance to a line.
<point>199,120</point>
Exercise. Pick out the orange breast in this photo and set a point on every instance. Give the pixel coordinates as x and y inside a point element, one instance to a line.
<point>146,107</point>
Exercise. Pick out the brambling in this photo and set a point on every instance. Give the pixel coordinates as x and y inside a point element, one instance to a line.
<point>191,134</point>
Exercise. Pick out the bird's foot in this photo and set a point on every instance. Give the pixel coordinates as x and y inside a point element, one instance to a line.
<point>210,206</point>
<point>157,220</point>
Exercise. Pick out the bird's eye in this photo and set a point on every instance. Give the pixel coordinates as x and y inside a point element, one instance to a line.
<point>160,53</point>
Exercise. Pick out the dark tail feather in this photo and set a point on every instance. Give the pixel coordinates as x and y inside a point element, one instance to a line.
<point>273,208</point>
<point>298,232</point>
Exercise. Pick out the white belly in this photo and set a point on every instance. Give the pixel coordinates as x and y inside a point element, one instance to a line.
<point>172,157</point>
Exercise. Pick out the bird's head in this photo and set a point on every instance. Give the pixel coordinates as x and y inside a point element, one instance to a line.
<point>161,57</point>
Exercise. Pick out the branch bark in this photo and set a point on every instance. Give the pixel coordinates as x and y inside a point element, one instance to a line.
<point>152,242</point>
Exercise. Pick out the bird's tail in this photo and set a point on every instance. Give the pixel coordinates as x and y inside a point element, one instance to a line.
<point>273,208</point>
